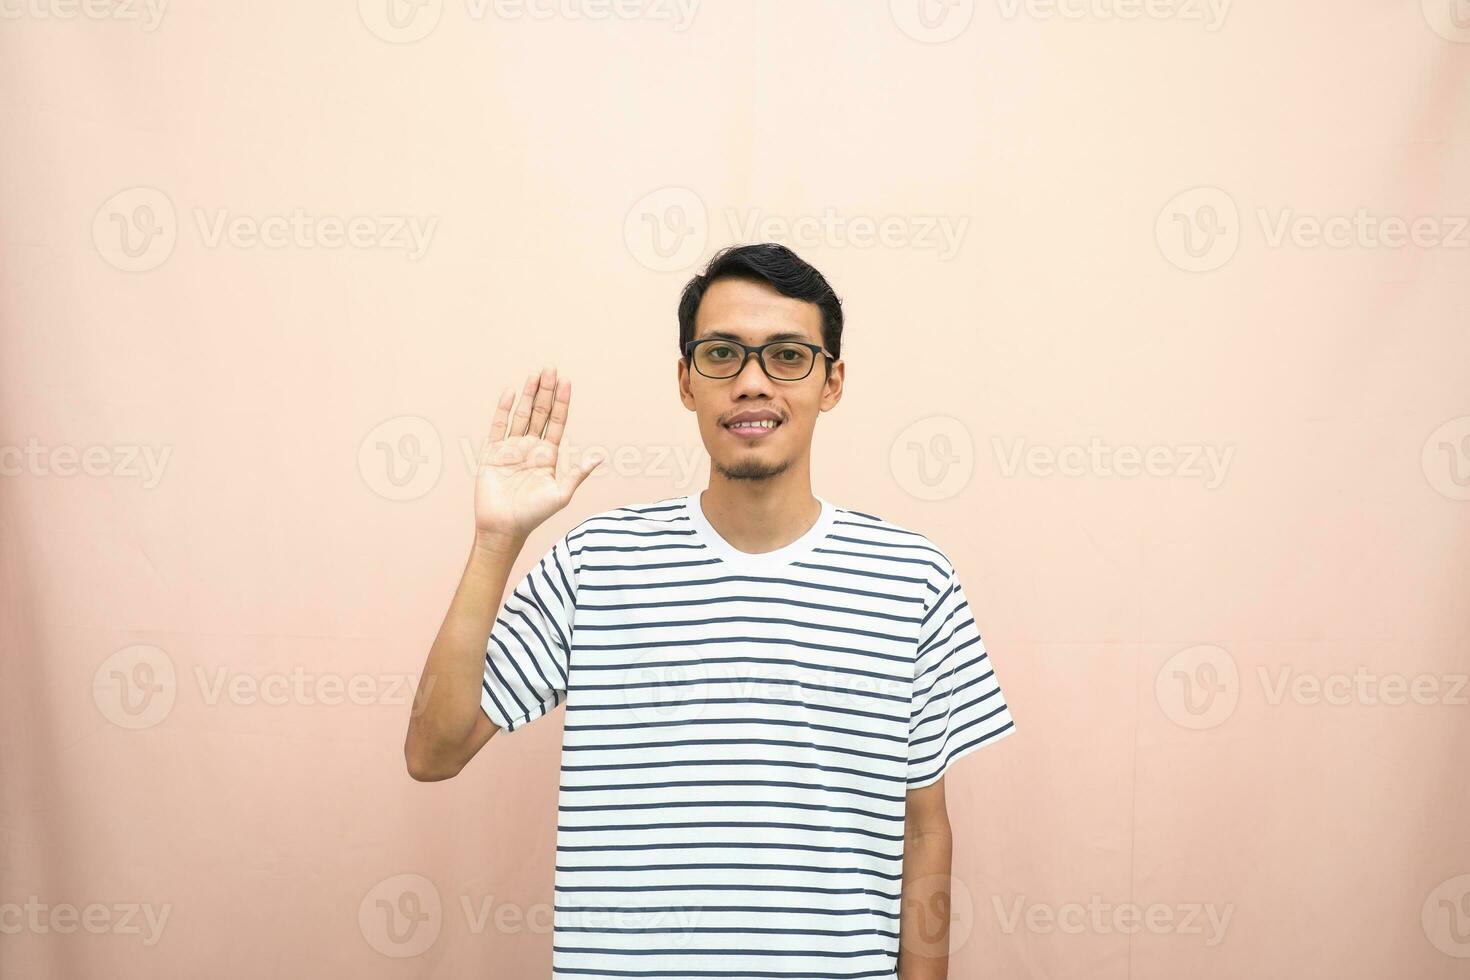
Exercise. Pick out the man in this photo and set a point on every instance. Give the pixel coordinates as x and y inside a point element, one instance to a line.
<point>763,689</point>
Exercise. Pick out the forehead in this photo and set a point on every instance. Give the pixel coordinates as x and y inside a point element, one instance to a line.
<point>739,309</point>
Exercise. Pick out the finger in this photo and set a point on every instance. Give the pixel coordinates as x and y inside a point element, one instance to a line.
<point>542,406</point>
<point>573,479</point>
<point>559,406</point>
<point>523,410</point>
<point>502,413</point>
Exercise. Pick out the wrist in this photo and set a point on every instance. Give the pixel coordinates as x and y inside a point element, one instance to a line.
<point>498,544</point>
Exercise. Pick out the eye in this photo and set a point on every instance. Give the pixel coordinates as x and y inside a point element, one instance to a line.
<point>719,350</point>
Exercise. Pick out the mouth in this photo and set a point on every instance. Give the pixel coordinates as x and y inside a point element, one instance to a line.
<point>753,428</point>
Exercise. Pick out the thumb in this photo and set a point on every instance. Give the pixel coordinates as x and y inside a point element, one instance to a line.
<point>573,478</point>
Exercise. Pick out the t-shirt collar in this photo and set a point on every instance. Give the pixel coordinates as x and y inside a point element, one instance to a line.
<point>718,547</point>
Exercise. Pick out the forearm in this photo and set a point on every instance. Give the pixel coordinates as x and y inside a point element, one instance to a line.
<point>925,910</point>
<point>446,708</point>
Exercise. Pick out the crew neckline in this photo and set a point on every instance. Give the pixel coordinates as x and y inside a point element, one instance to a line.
<point>785,555</point>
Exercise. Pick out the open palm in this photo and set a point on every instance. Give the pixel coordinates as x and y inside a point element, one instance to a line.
<point>516,487</point>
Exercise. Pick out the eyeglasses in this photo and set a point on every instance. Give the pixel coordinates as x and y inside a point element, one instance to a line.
<point>782,360</point>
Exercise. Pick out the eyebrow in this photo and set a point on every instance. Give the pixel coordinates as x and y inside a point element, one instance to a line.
<point>770,338</point>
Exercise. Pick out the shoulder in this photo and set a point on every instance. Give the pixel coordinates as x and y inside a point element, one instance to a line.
<point>630,518</point>
<point>631,528</point>
<point>870,533</point>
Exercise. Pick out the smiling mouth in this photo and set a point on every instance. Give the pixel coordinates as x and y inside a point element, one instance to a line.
<point>753,430</point>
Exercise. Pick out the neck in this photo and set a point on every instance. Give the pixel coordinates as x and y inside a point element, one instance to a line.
<point>760,515</point>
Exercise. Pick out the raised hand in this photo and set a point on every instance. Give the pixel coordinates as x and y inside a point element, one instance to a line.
<point>516,487</point>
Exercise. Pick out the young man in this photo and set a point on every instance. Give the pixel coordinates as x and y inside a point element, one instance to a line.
<point>763,689</point>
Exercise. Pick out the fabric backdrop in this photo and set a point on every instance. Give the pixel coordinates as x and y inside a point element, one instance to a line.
<point>1156,323</point>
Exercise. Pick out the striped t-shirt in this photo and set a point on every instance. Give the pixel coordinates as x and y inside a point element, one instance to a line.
<point>740,732</point>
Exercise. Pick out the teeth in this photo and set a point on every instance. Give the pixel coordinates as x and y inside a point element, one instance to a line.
<point>762,424</point>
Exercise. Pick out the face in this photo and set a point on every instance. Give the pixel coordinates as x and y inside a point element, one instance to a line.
<point>754,313</point>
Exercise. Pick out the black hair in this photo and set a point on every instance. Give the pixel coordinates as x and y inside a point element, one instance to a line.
<point>780,268</point>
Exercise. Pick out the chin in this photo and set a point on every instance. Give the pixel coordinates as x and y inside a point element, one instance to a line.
<point>749,469</point>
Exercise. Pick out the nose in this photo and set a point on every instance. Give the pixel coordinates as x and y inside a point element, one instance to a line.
<point>752,377</point>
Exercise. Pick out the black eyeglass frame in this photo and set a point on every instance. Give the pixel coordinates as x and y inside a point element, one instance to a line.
<point>760,352</point>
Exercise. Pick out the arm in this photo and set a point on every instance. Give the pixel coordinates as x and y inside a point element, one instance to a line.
<point>923,933</point>
<point>516,489</point>
<point>447,726</point>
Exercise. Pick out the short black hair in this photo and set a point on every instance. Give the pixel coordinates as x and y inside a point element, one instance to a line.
<point>777,266</point>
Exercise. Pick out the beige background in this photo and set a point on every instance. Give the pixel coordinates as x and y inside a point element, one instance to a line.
<point>236,502</point>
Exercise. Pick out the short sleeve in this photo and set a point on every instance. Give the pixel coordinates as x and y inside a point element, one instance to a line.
<point>529,649</point>
<point>957,703</point>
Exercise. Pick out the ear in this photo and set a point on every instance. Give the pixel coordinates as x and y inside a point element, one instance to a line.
<point>686,395</point>
<point>832,386</point>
